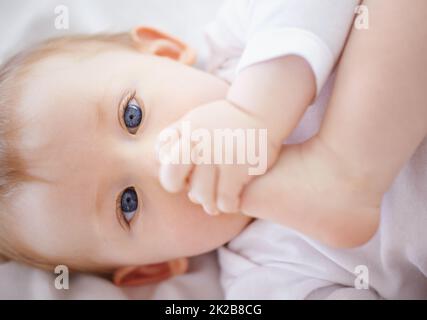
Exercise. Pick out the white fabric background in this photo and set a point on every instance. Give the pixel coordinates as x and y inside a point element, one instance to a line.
<point>23,22</point>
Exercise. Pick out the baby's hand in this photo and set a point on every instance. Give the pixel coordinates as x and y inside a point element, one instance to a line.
<point>215,150</point>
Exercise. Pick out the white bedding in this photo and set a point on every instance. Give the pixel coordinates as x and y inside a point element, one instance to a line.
<point>23,22</point>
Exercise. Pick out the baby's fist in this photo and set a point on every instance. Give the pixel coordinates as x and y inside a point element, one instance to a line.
<point>214,151</point>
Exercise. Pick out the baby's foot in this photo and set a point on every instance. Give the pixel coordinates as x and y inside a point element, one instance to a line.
<point>311,190</point>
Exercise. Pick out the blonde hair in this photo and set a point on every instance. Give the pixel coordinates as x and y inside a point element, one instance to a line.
<point>12,167</point>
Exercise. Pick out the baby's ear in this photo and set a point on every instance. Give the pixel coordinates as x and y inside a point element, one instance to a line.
<point>150,40</point>
<point>141,275</point>
<point>3,259</point>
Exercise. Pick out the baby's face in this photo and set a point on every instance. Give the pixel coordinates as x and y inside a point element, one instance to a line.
<point>97,197</point>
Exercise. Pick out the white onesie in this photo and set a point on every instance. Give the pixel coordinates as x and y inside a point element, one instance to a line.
<point>268,261</point>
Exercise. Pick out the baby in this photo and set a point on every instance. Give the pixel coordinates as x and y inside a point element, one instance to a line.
<point>80,120</point>
<point>80,117</point>
<point>79,174</point>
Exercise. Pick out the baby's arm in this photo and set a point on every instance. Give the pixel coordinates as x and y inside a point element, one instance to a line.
<point>290,48</point>
<point>277,92</point>
<point>331,187</point>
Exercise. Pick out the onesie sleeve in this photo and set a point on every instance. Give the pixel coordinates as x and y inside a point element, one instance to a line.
<point>315,30</point>
<point>226,37</point>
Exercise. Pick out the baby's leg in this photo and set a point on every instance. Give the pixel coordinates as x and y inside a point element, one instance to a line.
<point>331,187</point>
<point>377,116</point>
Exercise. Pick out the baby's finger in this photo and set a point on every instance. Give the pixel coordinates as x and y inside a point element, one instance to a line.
<point>173,171</point>
<point>230,186</point>
<point>203,188</point>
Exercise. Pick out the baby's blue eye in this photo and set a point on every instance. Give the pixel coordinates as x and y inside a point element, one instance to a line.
<point>132,115</point>
<point>129,203</point>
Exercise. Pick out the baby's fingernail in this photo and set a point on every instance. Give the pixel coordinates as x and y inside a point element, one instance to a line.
<point>192,198</point>
<point>221,206</point>
<point>210,210</point>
